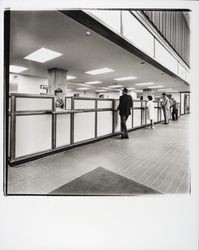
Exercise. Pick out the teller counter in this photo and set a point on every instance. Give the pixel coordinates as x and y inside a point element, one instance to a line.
<point>36,129</point>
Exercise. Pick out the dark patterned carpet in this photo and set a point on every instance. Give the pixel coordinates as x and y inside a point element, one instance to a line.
<point>101,181</point>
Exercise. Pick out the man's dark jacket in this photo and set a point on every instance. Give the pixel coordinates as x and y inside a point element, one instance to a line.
<point>125,104</point>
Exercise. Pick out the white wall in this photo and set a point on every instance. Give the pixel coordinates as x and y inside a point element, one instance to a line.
<point>110,20</point>
<point>28,84</point>
<point>31,85</point>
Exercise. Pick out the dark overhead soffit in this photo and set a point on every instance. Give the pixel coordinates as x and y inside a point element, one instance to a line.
<point>99,28</point>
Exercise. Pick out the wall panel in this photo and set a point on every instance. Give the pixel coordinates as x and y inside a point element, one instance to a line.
<point>137,34</point>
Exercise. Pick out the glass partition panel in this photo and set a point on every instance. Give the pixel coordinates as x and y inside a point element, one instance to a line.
<point>129,122</point>
<point>84,126</point>
<point>155,104</point>
<point>162,115</point>
<point>104,123</point>
<point>68,103</point>
<point>62,129</point>
<point>84,104</point>
<point>137,104</point>
<point>136,118</point>
<point>9,104</point>
<point>182,104</point>
<point>31,103</point>
<point>33,134</point>
<point>9,136</point>
<point>104,104</point>
<point>156,115</point>
<point>117,122</point>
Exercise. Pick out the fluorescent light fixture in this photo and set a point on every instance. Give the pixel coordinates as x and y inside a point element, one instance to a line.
<point>99,71</point>
<point>155,87</point>
<point>70,77</point>
<point>100,90</point>
<point>171,91</point>
<point>82,84</point>
<point>106,88</point>
<point>146,83</point>
<point>17,69</point>
<point>115,86</point>
<point>42,55</point>
<point>126,78</point>
<point>139,90</point>
<point>93,82</point>
<point>82,88</point>
<point>165,89</point>
<point>130,88</point>
<point>68,90</point>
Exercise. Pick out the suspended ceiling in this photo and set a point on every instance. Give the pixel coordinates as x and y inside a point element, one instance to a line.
<point>32,30</point>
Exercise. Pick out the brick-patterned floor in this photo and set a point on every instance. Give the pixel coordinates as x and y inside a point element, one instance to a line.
<point>157,158</point>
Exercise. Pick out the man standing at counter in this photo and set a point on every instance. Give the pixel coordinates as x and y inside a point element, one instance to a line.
<point>124,107</point>
<point>166,108</point>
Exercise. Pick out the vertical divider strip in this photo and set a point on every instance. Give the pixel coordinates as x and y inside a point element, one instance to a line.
<point>96,118</point>
<point>72,122</point>
<point>114,116</point>
<point>13,128</point>
<point>53,125</point>
<point>145,113</point>
<point>141,113</point>
<point>132,114</point>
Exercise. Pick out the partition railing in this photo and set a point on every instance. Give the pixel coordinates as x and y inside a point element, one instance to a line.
<point>37,129</point>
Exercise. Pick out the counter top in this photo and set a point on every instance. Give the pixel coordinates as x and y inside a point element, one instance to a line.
<point>68,111</point>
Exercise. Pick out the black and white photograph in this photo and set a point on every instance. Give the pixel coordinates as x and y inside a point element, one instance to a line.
<point>99,109</point>
<point>99,102</point>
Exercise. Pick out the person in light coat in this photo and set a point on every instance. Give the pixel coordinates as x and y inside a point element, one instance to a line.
<point>151,110</point>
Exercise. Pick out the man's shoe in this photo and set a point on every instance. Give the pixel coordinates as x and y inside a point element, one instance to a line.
<point>126,137</point>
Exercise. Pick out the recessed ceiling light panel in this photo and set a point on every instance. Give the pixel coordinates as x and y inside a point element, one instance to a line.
<point>143,84</point>
<point>43,55</point>
<point>115,86</point>
<point>93,82</point>
<point>100,90</point>
<point>82,84</point>
<point>139,90</point>
<point>155,87</point>
<point>165,89</point>
<point>126,78</point>
<point>17,69</point>
<point>82,88</point>
<point>99,71</point>
<point>70,77</point>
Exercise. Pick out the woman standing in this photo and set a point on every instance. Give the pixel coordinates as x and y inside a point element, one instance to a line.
<point>151,112</point>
